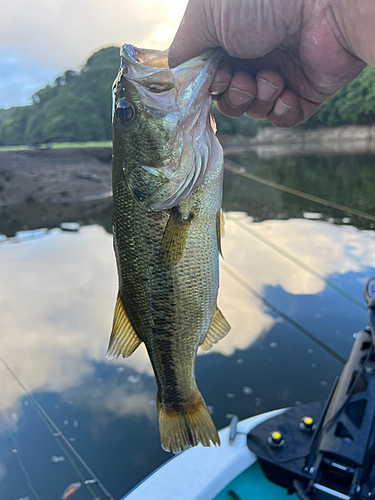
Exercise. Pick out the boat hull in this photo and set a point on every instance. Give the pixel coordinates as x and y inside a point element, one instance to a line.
<point>209,473</point>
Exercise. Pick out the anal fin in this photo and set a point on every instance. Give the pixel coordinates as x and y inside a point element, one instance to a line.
<point>123,339</point>
<point>219,327</point>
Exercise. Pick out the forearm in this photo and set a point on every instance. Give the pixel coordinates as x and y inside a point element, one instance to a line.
<point>355,21</point>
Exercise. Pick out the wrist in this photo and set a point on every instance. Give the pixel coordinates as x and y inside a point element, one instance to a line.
<point>354,21</point>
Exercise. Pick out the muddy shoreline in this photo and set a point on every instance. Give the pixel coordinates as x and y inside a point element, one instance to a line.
<point>45,188</point>
<point>54,175</point>
<point>75,175</point>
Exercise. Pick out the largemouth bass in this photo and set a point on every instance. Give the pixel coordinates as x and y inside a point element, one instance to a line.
<point>167,224</point>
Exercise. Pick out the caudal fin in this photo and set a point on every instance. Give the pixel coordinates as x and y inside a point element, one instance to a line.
<point>183,429</point>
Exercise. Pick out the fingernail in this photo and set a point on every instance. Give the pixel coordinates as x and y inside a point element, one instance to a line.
<point>238,97</point>
<point>280,107</point>
<point>265,90</point>
<point>218,88</point>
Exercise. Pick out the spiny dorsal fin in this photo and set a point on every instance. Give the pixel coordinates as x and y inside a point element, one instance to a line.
<point>123,339</point>
<point>219,327</point>
<point>219,230</point>
<point>174,237</point>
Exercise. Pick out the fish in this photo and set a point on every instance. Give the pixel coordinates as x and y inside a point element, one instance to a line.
<point>167,173</point>
<point>72,488</point>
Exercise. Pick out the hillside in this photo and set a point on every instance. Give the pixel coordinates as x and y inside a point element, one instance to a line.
<point>77,107</point>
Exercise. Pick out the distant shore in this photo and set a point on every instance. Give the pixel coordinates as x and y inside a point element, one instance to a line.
<point>83,172</point>
<point>270,141</point>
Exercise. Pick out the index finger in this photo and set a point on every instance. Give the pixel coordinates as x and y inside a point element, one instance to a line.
<point>195,35</point>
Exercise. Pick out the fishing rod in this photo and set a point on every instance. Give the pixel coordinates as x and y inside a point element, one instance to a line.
<point>296,261</point>
<point>240,171</point>
<point>23,468</point>
<point>229,270</point>
<point>94,479</point>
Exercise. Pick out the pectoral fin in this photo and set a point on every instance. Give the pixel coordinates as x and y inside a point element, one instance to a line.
<point>219,230</point>
<point>123,339</point>
<point>174,237</point>
<point>219,327</point>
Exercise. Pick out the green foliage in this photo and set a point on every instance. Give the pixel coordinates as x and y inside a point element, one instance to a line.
<point>353,104</point>
<point>77,107</point>
<point>13,127</point>
<point>242,126</point>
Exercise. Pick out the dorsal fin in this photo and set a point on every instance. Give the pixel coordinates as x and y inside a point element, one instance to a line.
<point>123,339</point>
<point>219,230</point>
<point>219,327</point>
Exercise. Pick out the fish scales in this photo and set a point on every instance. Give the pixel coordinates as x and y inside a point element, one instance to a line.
<point>167,249</point>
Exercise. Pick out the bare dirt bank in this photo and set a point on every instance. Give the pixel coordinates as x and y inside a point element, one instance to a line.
<point>45,188</point>
<point>54,175</point>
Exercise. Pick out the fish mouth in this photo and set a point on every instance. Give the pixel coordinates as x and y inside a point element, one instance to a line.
<point>149,58</point>
<point>144,57</point>
<point>150,69</point>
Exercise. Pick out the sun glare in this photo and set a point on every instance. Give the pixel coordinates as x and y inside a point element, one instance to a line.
<point>163,33</point>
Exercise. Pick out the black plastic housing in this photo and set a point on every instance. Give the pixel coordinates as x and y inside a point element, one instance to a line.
<point>334,460</point>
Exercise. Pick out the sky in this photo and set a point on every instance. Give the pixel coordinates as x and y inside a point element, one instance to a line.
<point>40,39</point>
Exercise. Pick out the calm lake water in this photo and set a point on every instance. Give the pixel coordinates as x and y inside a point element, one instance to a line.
<point>291,287</point>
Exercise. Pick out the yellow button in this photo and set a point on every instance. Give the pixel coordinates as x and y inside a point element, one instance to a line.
<point>308,421</point>
<point>275,438</point>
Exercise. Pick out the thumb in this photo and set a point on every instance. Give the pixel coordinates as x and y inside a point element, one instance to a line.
<point>195,35</point>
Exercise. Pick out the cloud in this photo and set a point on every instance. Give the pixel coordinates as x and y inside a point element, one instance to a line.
<point>323,247</point>
<point>118,400</point>
<point>50,36</point>
<point>58,294</point>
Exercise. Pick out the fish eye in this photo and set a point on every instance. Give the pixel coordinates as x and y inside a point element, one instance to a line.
<point>124,111</point>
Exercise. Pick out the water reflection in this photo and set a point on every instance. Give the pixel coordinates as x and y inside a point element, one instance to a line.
<point>56,304</point>
<point>58,313</point>
<point>345,180</point>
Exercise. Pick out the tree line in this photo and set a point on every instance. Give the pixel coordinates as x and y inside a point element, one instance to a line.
<point>77,107</point>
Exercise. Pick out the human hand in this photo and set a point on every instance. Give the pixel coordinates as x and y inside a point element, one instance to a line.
<point>283,58</point>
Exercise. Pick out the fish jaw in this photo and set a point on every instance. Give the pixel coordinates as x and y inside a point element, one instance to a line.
<point>189,81</point>
<point>175,106</point>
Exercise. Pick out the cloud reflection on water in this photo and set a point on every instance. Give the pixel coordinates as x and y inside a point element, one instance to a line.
<point>58,295</point>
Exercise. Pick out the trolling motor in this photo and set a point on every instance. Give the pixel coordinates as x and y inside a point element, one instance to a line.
<point>326,451</point>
